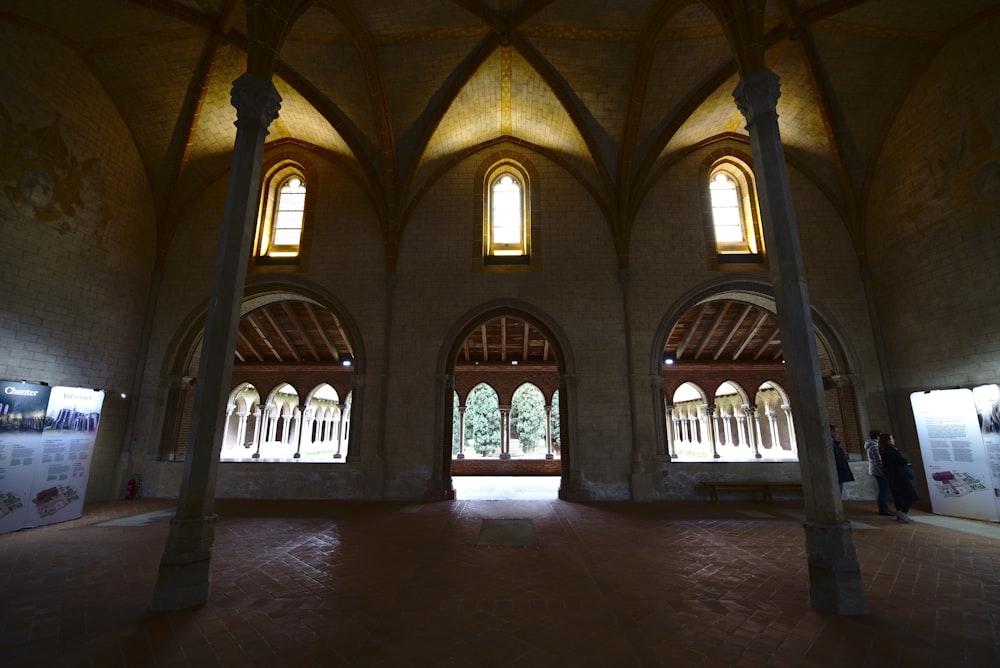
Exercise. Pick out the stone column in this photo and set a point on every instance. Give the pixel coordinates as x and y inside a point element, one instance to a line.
<point>709,422</point>
<point>752,438</point>
<point>461,432</point>
<point>772,429</point>
<point>548,432</point>
<point>241,428</point>
<point>834,572</point>
<point>230,409</point>
<point>791,426</point>
<point>300,418</point>
<point>184,576</point>
<point>505,432</point>
<point>340,431</point>
<point>258,418</point>
<point>671,431</point>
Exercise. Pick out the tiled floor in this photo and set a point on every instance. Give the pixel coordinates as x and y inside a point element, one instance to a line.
<point>405,584</point>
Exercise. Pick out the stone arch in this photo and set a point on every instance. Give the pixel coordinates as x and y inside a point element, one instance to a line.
<point>440,482</point>
<point>843,367</point>
<point>179,364</point>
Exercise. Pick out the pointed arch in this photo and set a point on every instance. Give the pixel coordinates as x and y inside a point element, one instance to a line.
<point>440,484</point>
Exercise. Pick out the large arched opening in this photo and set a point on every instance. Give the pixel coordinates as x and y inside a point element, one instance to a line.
<point>506,404</point>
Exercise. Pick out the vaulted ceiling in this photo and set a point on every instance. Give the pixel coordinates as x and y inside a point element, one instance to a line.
<point>400,90</point>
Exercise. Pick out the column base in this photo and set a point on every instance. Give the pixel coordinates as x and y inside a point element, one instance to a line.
<point>505,455</point>
<point>184,578</point>
<point>835,584</point>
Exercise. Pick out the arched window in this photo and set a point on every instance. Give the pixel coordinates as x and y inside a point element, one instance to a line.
<point>733,214</point>
<point>282,221</point>
<point>507,214</point>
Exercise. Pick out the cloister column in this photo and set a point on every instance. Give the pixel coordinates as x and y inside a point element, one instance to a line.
<point>772,429</point>
<point>505,432</point>
<point>709,423</point>
<point>741,427</point>
<point>671,431</point>
<point>297,431</point>
<point>230,409</point>
<point>241,427</point>
<point>340,431</point>
<point>548,432</point>
<point>461,432</point>
<point>258,418</point>
<point>834,572</point>
<point>184,576</point>
<point>753,438</point>
<point>791,426</point>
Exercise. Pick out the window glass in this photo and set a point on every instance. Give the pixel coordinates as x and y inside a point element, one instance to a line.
<point>726,214</point>
<point>287,228</point>
<point>507,217</point>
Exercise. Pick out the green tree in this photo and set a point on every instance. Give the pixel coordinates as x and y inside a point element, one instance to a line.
<point>527,417</point>
<point>455,435</point>
<point>482,420</point>
<point>556,431</point>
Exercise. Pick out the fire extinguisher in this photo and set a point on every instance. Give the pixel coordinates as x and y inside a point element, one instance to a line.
<point>133,487</point>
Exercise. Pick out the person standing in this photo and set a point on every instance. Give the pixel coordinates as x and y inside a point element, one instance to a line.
<point>895,469</point>
<point>875,469</point>
<point>844,473</point>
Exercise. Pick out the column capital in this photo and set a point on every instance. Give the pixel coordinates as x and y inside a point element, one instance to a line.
<point>255,99</point>
<point>757,95</point>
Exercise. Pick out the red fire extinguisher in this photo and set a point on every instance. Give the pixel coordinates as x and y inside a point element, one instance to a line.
<point>133,487</point>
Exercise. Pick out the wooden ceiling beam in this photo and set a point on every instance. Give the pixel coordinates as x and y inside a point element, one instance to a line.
<point>732,331</point>
<point>687,337</point>
<point>486,350</point>
<point>524,353</point>
<point>322,331</point>
<point>763,347</point>
<point>253,322</point>
<point>281,334</point>
<point>758,323</point>
<point>705,340</point>
<point>286,307</point>
<point>247,344</point>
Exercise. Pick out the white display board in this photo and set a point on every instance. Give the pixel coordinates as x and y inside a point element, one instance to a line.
<point>962,477</point>
<point>47,438</point>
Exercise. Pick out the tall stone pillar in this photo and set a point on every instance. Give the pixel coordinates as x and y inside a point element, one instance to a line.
<point>834,573</point>
<point>461,432</point>
<point>184,576</point>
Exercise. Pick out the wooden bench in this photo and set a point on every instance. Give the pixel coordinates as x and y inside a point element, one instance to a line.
<point>765,486</point>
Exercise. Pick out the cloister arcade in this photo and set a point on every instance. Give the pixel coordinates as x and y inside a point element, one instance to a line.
<point>730,424</point>
<point>283,427</point>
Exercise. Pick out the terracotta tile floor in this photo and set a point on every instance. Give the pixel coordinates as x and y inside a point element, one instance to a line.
<point>396,584</point>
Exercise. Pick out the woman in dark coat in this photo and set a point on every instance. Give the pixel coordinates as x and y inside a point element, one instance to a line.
<point>894,468</point>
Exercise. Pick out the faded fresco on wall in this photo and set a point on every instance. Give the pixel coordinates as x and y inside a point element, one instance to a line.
<point>43,181</point>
